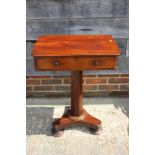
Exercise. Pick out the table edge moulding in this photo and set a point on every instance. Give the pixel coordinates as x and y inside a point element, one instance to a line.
<point>75,53</point>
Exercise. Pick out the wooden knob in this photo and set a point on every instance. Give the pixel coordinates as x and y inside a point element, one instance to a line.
<point>96,62</point>
<point>56,63</point>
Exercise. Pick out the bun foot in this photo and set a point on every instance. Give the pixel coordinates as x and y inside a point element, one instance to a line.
<point>96,131</point>
<point>57,133</point>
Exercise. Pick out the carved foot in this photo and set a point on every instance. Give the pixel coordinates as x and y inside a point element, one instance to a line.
<point>57,133</point>
<point>96,131</point>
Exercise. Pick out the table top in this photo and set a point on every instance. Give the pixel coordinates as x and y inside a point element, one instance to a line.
<point>75,45</point>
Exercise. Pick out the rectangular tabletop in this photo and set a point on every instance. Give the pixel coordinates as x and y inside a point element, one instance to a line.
<point>75,45</point>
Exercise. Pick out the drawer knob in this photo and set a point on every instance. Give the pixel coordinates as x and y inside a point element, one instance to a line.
<point>96,62</point>
<point>56,63</point>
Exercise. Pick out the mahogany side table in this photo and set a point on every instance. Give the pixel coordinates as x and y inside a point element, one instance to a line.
<point>75,53</point>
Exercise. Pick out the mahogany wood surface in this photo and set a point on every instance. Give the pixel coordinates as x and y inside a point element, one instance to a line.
<point>75,45</point>
<point>67,121</point>
<point>75,53</point>
<point>75,63</point>
<point>72,37</point>
<point>76,93</point>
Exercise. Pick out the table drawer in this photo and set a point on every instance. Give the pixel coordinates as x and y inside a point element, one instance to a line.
<point>75,63</point>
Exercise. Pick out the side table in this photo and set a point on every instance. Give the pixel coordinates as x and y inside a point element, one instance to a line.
<point>75,53</point>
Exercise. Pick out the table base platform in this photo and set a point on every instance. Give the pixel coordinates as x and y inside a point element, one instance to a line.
<point>67,120</point>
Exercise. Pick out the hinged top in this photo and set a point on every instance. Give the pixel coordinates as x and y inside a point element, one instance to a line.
<point>75,45</point>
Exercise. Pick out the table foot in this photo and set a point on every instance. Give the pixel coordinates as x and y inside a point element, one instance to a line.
<point>96,131</point>
<point>68,120</point>
<point>57,133</point>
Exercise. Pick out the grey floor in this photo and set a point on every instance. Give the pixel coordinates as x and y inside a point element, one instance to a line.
<point>113,112</point>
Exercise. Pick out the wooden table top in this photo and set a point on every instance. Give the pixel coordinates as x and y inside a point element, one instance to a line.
<point>75,45</point>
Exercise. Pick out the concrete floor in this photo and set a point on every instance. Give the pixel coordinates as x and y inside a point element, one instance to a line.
<point>113,112</point>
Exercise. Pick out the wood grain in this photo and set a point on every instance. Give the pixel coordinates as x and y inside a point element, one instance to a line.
<point>75,63</point>
<point>76,96</point>
<point>73,37</point>
<point>65,121</point>
<point>75,45</point>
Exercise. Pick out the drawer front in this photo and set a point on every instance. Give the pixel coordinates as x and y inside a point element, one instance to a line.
<point>71,63</point>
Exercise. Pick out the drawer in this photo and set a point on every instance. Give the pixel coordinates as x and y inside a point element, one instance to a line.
<point>75,63</point>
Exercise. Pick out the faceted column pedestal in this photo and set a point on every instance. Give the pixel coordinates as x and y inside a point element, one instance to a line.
<point>76,115</point>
